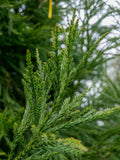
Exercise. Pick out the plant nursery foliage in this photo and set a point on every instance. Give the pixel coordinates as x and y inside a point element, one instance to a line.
<point>24,25</point>
<point>49,108</point>
<point>109,137</point>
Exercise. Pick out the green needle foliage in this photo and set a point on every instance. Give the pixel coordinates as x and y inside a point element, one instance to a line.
<point>93,15</point>
<point>93,135</point>
<point>109,138</point>
<point>24,25</point>
<point>49,108</point>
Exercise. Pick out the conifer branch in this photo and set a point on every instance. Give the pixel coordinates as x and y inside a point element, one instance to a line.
<point>41,119</point>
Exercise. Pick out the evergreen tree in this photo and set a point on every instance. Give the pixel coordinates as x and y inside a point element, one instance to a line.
<point>54,113</point>
<point>91,134</point>
<point>109,96</point>
<point>36,135</point>
<point>24,25</point>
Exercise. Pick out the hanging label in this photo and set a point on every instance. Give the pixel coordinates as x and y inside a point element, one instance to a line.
<point>50,9</point>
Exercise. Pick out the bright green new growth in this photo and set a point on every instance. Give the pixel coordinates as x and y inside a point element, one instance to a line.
<point>48,109</point>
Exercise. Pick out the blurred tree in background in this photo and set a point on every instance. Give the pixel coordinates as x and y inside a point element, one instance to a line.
<point>94,18</point>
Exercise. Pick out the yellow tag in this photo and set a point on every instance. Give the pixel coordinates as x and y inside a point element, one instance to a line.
<point>50,9</point>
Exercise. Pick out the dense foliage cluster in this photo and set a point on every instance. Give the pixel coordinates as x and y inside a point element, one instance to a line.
<point>24,25</point>
<point>61,117</point>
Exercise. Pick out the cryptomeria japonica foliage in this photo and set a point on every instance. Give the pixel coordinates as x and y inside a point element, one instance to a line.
<point>49,107</point>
